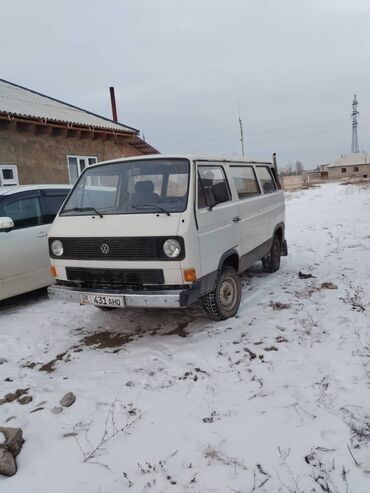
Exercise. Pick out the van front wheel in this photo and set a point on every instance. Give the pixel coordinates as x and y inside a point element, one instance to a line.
<point>271,263</point>
<point>223,302</point>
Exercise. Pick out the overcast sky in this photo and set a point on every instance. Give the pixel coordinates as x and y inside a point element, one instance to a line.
<point>180,67</point>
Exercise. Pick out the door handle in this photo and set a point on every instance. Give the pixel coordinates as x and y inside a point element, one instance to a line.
<point>42,235</point>
<point>236,219</point>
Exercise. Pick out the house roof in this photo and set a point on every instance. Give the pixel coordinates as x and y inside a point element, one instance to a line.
<point>352,159</point>
<point>19,101</point>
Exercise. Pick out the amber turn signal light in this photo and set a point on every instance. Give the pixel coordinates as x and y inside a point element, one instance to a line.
<point>53,271</point>
<point>190,275</point>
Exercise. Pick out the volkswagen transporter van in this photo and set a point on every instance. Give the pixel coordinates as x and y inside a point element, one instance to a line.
<point>167,231</point>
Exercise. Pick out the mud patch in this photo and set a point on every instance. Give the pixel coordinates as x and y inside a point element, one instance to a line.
<point>179,330</point>
<point>328,285</point>
<point>50,366</point>
<point>106,339</point>
<point>279,306</point>
<point>303,275</point>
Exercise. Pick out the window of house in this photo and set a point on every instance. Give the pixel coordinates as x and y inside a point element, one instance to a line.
<point>208,176</point>
<point>344,170</point>
<point>8,175</point>
<point>25,212</point>
<point>265,178</point>
<point>76,165</point>
<point>355,168</point>
<point>245,181</point>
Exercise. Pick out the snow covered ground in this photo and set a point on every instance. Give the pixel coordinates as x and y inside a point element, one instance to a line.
<point>276,399</point>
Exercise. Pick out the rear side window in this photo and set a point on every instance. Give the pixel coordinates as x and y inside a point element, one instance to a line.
<point>208,177</point>
<point>25,212</point>
<point>52,203</point>
<point>265,177</point>
<point>245,181</point>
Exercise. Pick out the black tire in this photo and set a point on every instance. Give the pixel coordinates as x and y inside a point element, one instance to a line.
<point>224,301</point>
<point>271,263</point>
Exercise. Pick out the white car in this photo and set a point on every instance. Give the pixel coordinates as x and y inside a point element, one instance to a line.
<point>26,213</point>
<point>167,231</point>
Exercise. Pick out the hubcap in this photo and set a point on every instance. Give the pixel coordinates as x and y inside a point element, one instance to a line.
<point>228,293</point>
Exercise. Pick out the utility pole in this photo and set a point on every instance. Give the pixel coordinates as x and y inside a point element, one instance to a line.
<point>354,114</point>
<point>241,131</point>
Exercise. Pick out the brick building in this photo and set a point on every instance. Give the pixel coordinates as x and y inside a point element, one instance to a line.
<point>44,140</point>
<point>354,165</point>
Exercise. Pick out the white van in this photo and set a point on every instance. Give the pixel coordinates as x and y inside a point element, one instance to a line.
<point>167,231</point>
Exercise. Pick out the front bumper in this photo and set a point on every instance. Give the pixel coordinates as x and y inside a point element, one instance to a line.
<point>151,299</point>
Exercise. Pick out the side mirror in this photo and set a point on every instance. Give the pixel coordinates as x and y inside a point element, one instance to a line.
<point>220,193</point>
<point>6,224</point>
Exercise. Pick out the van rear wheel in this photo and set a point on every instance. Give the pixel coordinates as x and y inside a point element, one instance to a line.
<point>271,263</point>
<point>223,302</point>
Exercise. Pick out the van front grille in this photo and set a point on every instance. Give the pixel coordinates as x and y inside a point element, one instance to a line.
<point>114,277</point>
<point>116,248</point>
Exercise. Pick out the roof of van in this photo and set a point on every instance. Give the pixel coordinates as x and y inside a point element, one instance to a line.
<point>26,188</point>
<point>192,157</point>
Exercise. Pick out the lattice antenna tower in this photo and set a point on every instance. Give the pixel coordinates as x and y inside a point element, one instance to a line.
<point>354,115</point>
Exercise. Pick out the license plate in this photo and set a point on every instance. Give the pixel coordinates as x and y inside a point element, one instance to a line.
<point>102,300</point>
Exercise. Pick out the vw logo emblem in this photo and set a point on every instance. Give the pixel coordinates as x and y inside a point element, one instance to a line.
<point>104,249</point>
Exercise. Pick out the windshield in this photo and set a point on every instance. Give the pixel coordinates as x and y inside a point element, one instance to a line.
<point>132,187</point>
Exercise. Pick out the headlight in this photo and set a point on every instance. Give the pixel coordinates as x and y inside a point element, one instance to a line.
<point>172,248</point>
<point>57,248</point>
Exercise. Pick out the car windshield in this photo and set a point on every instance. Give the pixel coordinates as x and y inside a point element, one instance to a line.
<point>131,187</point>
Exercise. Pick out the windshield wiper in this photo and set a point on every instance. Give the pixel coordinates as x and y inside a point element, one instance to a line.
<point>82,209</point>
<point>140,206</point>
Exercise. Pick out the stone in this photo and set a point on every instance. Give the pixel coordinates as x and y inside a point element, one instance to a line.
<point>37,409</point>
<point>68,399</point>
<point>10,397</point>
<point>3,360</point>
<point>20,392</point>
<point>13,439</point>
<point>13,396</point>
<point>26,399</point>
<point>57,410</point>
<point>7,462</point>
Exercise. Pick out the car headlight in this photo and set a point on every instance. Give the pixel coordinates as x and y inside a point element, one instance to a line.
<point>172,248</point>
<point>57,248</point>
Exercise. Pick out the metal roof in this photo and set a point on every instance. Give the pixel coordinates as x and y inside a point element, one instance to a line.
<point>352,159</point>
<point>19,101</point>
